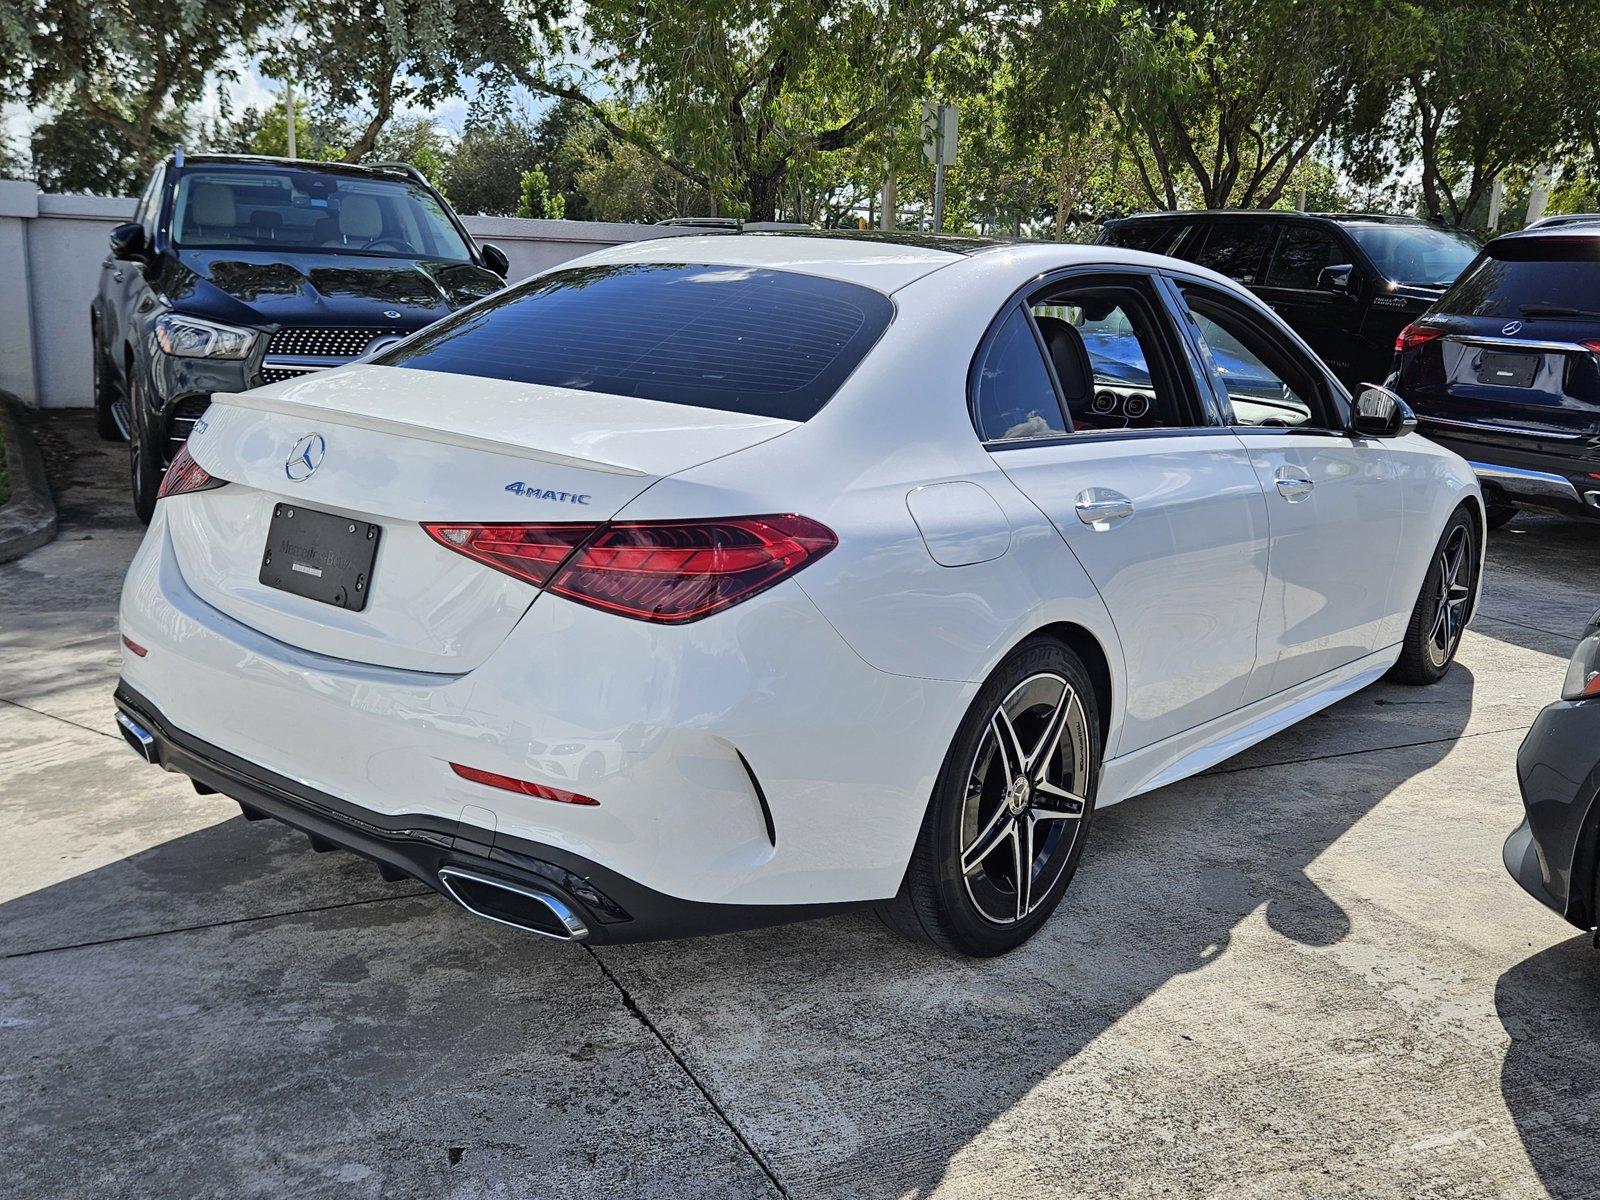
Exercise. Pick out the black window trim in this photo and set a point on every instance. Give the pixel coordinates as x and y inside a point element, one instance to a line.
<point>1335,394</point>
<point>1183,368</point>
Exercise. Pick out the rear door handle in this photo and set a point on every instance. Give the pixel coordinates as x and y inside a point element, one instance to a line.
<point>118,276</point>
<point>1101,508</point>
<point>1292,486</point>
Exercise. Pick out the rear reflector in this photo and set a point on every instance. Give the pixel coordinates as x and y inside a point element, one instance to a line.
<point>670,572</point>
<point>186,475</point>
<point>1413,336</point>
<point>134,646</point>
<point>521,786</point>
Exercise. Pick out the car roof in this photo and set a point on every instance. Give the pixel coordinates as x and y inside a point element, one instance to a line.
<point>1337,218</point>
<point>265,161</point>
<point>884,262</point>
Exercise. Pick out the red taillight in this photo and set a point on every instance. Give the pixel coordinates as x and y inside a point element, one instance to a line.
<point>530,552</point>
<point>664,571</point>
<point>522,787</point>
<point>186,475</point>
<point>134,646</point>
<point>1413,336</point>
<point>1592,345</point>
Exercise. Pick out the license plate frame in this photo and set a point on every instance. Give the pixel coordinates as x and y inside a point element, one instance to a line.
<point>1505,369</point>
<point>320,556</point>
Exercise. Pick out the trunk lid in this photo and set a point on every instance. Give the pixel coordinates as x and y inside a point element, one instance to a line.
<point>398,447</point>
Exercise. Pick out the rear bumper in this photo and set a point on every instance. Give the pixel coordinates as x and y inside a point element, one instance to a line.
<point>1552,853</point>
<point>612,907</point>
<point>1528,476</point>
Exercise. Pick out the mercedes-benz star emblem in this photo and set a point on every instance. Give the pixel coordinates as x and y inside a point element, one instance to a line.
<point>392,313</point>
<point>1511,327</point>
<point>305,458</point>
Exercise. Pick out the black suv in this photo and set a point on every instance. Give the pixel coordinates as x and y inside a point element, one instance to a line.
<point>239,271</point>
<point>1346,283</point>
<point>1505,370</point>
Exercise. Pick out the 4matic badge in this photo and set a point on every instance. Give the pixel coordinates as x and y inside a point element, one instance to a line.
<point>534,492</point>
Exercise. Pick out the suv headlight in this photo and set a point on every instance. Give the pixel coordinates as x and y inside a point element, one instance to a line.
<point>1583,672</point>
<point>190,337</point>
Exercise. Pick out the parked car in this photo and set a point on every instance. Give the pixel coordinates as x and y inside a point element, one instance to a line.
<point>1552,854</point>
<point>885,561</point>
<point>1505,370</point>
<point>1347,283</point>
<point>237,271</point>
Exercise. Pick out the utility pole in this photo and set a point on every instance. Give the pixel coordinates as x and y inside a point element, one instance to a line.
<point>288,109</point>
<point>1539,194</point>
<point>1496,196</point>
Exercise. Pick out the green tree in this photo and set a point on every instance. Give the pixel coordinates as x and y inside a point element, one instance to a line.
<point>76,151</point>
<point>484,172</point>
<point>369,57</point>
<point>740,91</point>
<point>135,66</point>
<point>536,199</point>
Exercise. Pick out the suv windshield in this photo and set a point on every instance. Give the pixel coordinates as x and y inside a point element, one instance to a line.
<point>739,339</point>
<point>322,211</point>
<point>1530,277</point>
<point>1422,255</point>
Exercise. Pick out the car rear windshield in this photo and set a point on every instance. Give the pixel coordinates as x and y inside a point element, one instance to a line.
<point>1523,277</point>
<point>1422,255</point>
<point>740,339</point>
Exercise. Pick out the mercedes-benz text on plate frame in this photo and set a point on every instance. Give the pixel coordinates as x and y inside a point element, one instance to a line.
<point>305,458</point>
<point>610,648</point>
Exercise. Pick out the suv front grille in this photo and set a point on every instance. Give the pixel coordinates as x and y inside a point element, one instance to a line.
<point>279,374</point>
<point>323,341</point>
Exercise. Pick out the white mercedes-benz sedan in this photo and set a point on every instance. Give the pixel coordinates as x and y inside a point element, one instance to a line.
<point>708,582</point>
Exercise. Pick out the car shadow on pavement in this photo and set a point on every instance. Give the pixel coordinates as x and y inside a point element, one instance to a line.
<point>862,1066</point>
<point>1550,1007</point>
<point>338,1047</point>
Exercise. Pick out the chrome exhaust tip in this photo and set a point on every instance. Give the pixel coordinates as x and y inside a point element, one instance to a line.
<point>137,736</point>
<point>513,904</point>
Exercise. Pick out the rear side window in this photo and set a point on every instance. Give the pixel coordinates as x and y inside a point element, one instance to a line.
<point>1302,253</point>
<point>1233,248</point>
<point>1530,277</point>
<point>1157,237</point>
<point>1015,398</point>
<point>739,339</point>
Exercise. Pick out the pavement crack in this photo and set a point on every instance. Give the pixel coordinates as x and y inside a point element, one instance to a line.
<point>644,1019</point>
<point>39,712</point>
<point>155,933</point>
<point>1310,758</point>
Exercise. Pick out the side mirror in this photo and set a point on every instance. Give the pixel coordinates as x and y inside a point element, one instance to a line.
<point>1337,279</point>
<point>1381,413</point>
<point>495,259</point>
<point>128,244</point>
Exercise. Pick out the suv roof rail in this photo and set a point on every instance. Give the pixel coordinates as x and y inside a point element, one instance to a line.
<point>406,167</point>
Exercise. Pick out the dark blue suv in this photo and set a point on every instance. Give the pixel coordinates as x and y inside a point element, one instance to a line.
<point>239,271</point>
<point>1505,370</point>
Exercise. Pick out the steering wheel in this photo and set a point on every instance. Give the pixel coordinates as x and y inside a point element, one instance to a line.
<point>399,243</point>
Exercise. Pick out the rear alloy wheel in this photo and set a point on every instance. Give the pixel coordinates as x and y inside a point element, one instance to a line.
<point>1441,612</point>
<point>1011,811</point>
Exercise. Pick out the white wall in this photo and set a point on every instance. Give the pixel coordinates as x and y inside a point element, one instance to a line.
<point>53,248</point>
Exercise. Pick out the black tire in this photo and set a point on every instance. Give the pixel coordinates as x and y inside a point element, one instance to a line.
<point>106,392</point>
<point>144,454</point>
<point>1432,638</point>
<point>971,912</point>
<point>1497,514</point>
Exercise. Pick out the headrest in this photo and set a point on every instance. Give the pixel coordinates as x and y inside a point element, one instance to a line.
<point>212,204</point>
<point>360,218</point>
<point>1070,356</point>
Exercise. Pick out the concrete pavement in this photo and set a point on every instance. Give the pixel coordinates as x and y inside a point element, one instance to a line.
<point>1304,973</point>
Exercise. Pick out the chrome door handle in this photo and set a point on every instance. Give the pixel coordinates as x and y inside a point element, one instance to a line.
<point>1293,487</point>
<point>1101,508</point>
<point>117,276</point>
